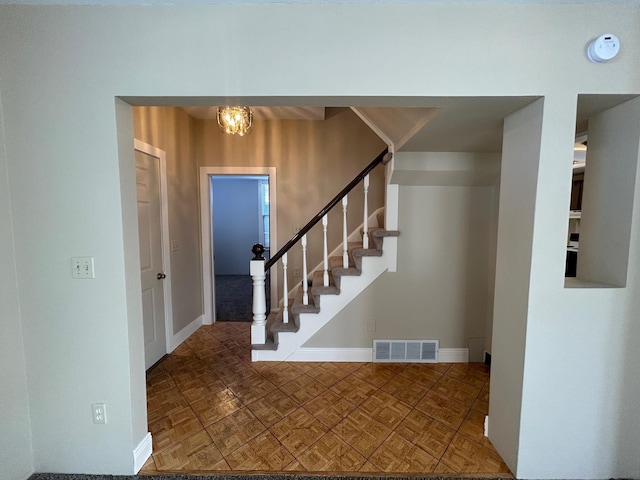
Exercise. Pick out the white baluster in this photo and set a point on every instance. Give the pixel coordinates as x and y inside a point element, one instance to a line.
<point>305,284</point>
<point>285,307</point>
<point>325,277</point>
<point>345,253</point>
<point>365,231</point>
<point>259,325</point>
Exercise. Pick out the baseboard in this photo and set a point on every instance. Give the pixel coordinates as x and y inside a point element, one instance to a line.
<point>185,333</point>
<point>142,453</point>
<point>453,355</point>
<point>309,354</point>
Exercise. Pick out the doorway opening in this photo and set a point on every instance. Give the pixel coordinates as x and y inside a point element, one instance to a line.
<point>223,193</point>
<point>240,218</point>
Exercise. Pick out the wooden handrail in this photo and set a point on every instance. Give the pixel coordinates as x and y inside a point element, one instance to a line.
<point>382,158</point>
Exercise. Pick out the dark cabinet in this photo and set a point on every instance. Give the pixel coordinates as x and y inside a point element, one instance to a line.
<point>576,191</point>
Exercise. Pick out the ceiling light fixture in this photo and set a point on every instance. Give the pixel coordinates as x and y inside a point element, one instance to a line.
<point>235,120</point>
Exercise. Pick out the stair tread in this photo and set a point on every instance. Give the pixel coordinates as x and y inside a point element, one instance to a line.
<point>268,345</point>
<point>318,287</point>
<point>356,251</point>
<point>299,307</point>
<point>335,265</point>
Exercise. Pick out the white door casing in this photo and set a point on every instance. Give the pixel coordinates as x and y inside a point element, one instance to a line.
<point>206,173</point>
<point>154,256</point>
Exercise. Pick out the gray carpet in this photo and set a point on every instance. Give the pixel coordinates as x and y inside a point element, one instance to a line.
<point>234,298</point>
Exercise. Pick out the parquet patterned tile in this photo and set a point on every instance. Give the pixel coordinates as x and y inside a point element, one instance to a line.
<point>232,373</point>
<point>273,407</point>
<point>385,408</point>
<point>278,375</point>
<point>251,388</point>
<point>198,392</point>
<point>183,350</point>
<point>235,430</point>
<point>482,402</point>
<point>473,428</point>
<point>460,391</point>
<point>307,366</point>
<point>190,380</point>
<point>177,456</point>
<point>165,403</point>
<point>208,459</point>
<point>298,431</point>
<point>174,428</point>
<point>261,453</point>
<point>467,456</point>
<point>369,467</point>
<point>213,408</point>
<point>329,408</point>
<point>149,466</point>
<point>159,382</point>
<point>377,374</point>
<point>362,432</point>
<point>427,433</point>
<point>303,389</point>
<point>210,409</point>
<point>444,409</point>
<point>399,456</point>
<point>328,373</point>
<point>405,389</point>
<point>331,454</point>
<point>425,374</point>
<point>474,374</point>
<point>354,389</point>
<point>294,467</point>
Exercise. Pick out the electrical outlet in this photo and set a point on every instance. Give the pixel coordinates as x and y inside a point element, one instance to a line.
<point>296,272</point>
<point>99,413</point>
<point>174,245</point>
<point>82,267</point>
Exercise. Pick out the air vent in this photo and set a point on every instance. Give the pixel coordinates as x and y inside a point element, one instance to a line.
<point>419,351</point>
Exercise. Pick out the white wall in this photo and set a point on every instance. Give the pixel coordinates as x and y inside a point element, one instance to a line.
<point>16,454</point>
<point>171,130</point>
<point>520,152</point>
<point>440,288</point>
<point>60,69</point>
<point>581,397</point>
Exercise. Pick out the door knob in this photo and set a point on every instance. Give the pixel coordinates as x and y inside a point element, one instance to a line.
<point>161,276</point>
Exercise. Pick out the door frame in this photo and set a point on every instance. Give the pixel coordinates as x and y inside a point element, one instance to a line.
<point>161,156</point>
<point>206,225</point>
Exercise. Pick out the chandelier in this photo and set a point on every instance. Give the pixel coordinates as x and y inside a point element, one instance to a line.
<point>235,120</point>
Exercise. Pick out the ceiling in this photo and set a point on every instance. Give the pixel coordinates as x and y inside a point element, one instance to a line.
<point>420,124</point>
<point>264,113</point>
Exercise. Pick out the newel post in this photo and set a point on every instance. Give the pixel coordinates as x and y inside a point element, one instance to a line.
<point>256,269</point>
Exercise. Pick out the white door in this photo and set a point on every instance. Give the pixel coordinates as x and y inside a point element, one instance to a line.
<point>151,272</point>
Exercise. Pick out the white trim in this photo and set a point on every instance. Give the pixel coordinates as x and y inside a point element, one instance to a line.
<point>166,252</point>
<point>453,355</point>
<point>208,294</point>
<point>372,125</point>
<point>142,453</point>
<point>311,354</point>
<point>185,333</point>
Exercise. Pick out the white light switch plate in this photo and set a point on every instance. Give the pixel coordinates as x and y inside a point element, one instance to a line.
<point>82,267</point>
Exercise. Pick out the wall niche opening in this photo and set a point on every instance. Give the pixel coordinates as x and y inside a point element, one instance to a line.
<point>603,188</point>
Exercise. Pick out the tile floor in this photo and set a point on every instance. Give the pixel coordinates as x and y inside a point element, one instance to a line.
<point>211,409</point>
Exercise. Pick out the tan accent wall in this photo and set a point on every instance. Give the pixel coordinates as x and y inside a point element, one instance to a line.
<point>314,160</point>
<point>171,130</point>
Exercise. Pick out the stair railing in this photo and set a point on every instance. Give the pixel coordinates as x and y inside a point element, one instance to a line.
<point>259,266</point>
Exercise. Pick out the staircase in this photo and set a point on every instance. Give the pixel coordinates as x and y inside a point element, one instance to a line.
<point>336,283</point>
